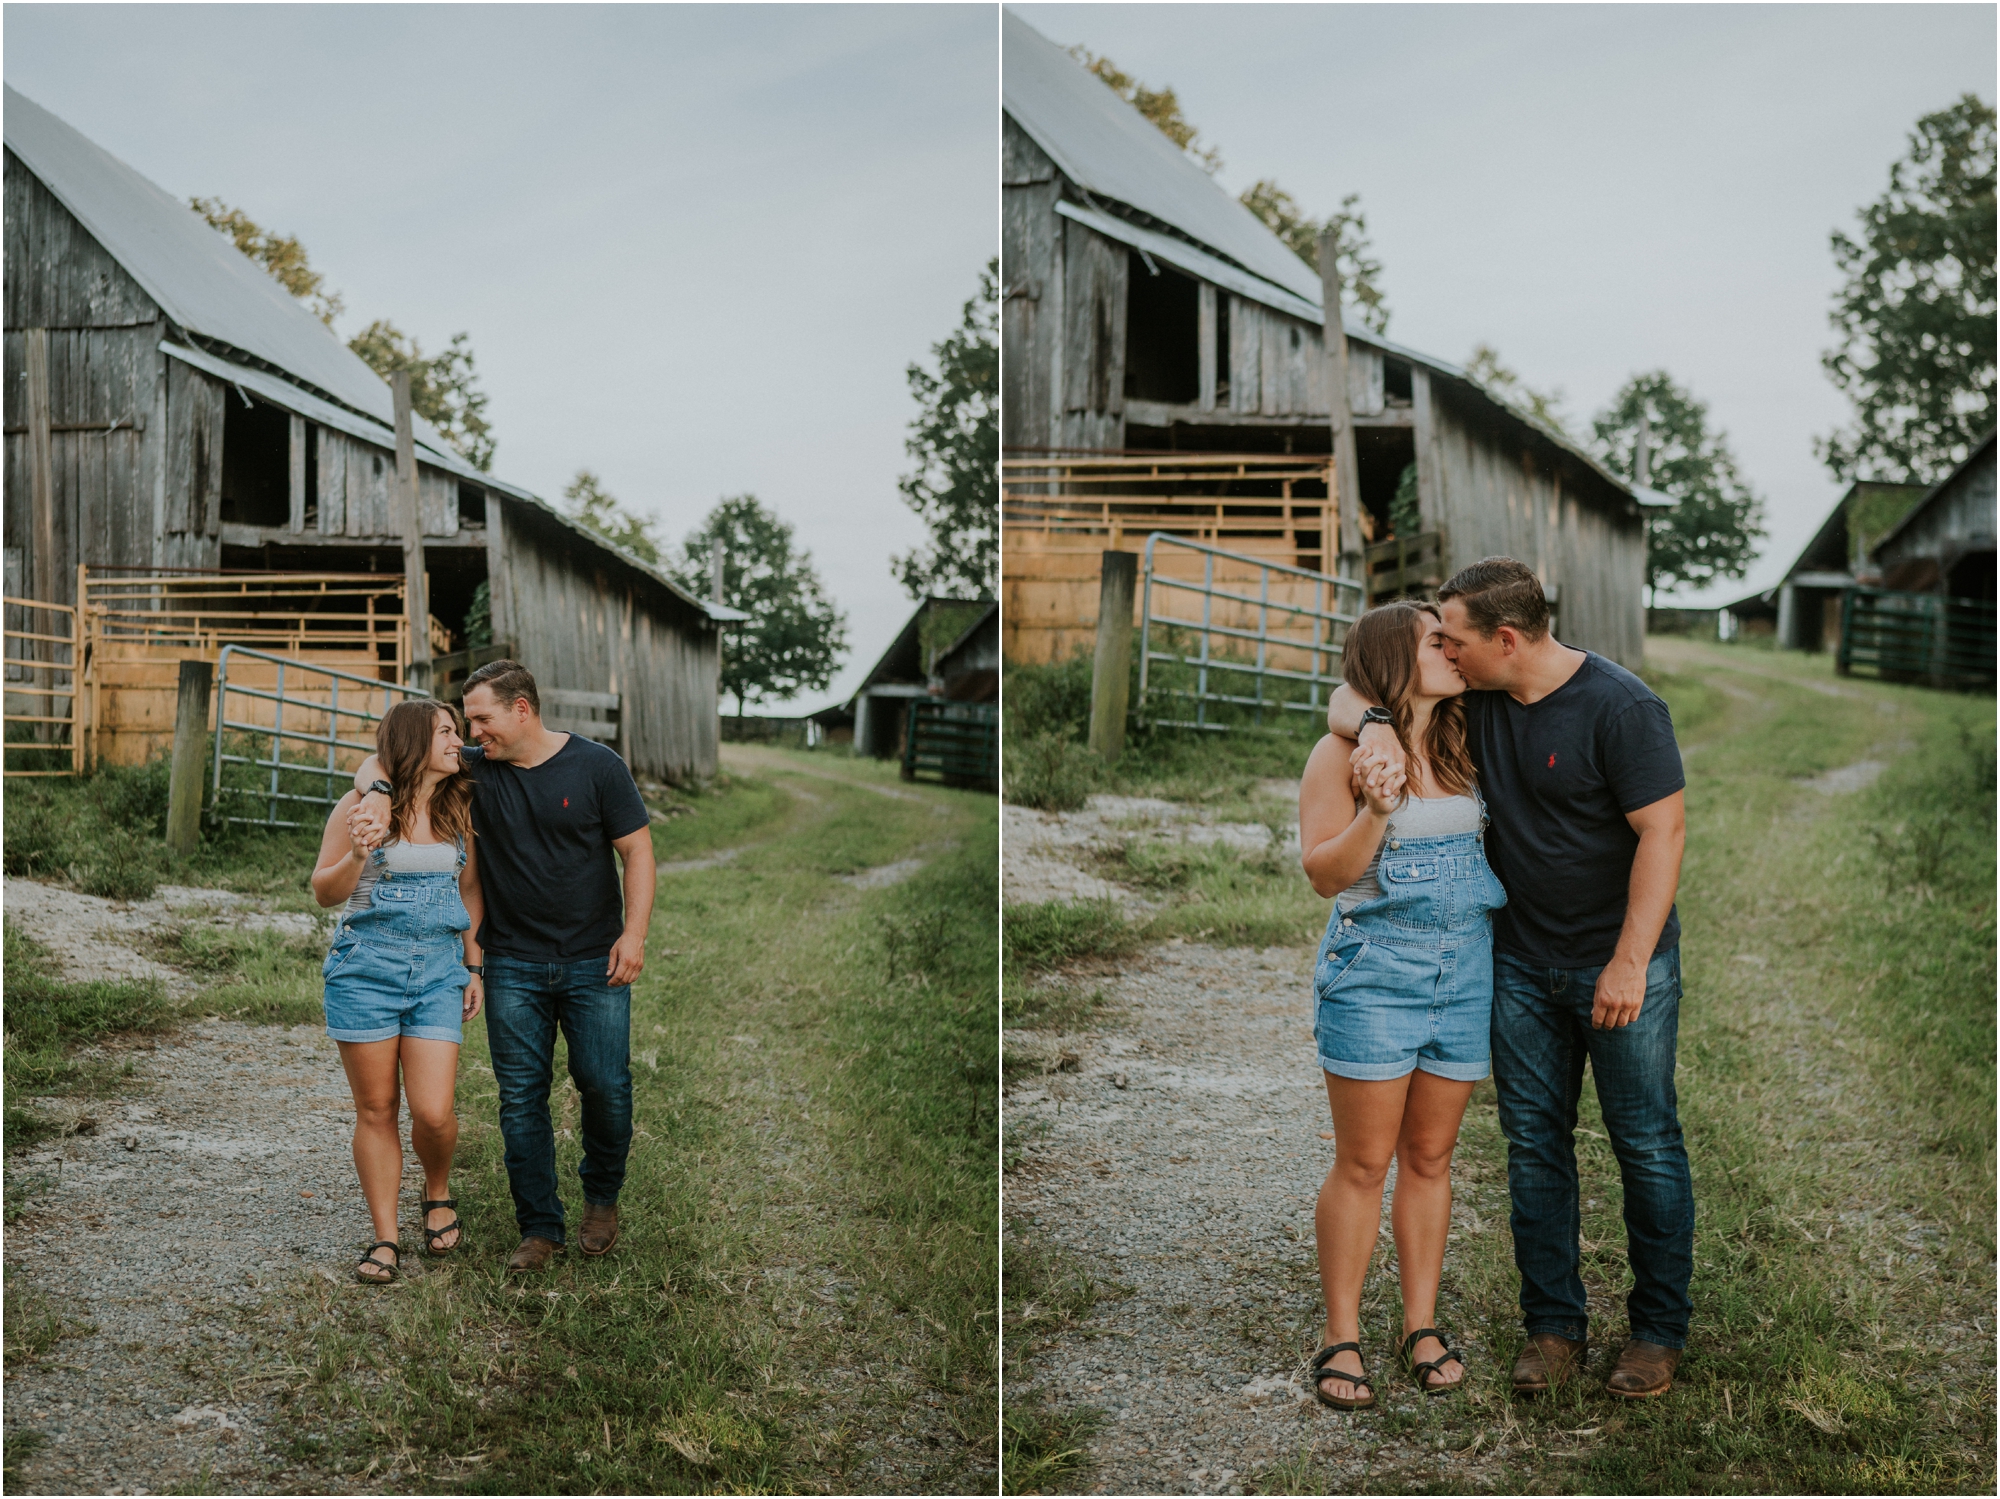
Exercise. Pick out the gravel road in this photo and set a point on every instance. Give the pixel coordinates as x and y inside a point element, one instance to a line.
<point>160,1227</point>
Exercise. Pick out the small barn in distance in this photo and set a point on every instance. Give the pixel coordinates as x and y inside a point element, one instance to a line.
<point>171,412</point>
<point>1944,544</point>
<point>948,648</point>
<point>1802,609</point>
<point>1152,328</point>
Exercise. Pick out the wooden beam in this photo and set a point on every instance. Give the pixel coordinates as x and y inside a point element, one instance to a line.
<point>1430,473</point>
<point>41,467</point>
<point>297,519</point>
<point>416,598</point>
<point>1346,461</point>
<point>499,582</point>
<point>1205,345</point>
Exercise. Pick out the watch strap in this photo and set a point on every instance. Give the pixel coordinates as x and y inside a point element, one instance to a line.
<point>387,790</point>
<point>478,968</point>
<point>1376,715</point>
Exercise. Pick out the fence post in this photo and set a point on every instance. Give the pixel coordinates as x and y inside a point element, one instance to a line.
<point>1111,671</point>
<point>190,755</point>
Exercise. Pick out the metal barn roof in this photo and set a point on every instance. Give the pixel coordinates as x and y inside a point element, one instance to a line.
<point>1108,148</point>
<point>201,281</point>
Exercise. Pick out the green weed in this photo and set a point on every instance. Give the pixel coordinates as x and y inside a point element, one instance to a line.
<point>1057,932</point>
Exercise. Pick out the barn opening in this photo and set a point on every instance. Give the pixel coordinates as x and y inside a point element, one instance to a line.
<point>1972,577</point>
<point>1396,384</point>
<point>312,478</point>
<point>471,506</point>
<point>256,463</point>
<point>1162,334</point>
<point>1381,455</point>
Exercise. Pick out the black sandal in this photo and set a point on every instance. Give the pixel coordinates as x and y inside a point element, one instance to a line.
<point>1321,1373</point>
<point>432,1235</point>
<point>368,1258</point>
<point>1421,1372</point>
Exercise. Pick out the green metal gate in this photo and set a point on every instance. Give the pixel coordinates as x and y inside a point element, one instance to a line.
<point>957,742</point>
<point>1921,637</point>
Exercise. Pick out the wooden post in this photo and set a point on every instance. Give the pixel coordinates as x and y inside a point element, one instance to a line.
<point>416,598</point>
<point>295,519</point>
<point>1111,672</point>
<point>1346,466</point>
<point>190,756</point>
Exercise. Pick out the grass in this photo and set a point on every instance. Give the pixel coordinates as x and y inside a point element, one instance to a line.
<point>803,1299</point>
<point>1837,1091</point>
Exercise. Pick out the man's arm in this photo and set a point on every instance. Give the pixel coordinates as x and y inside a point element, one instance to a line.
<point>1656,875</point>
<point>628,954</point>
<point>1377,740</point>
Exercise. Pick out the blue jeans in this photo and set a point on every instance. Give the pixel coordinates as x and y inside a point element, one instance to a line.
<point>1541,1039</point>
<point>525,1002</point>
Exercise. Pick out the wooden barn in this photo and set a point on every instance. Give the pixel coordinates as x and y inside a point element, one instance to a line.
<point>1165,368</point>
<point>1802,609</point>
<point>177,427</point>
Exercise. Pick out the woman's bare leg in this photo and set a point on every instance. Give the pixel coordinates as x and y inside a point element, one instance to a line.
<point>1421,1212</point>
<point>378,1148</point>
<point>430,1083</point>
<point>1367,1117</point>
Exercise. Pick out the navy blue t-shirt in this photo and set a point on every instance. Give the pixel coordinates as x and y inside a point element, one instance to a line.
<point>1559,776</point>
<point>546,864</point>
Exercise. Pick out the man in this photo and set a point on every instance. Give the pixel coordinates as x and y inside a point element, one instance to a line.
<point>560,949</point>
<point>1582,778</point>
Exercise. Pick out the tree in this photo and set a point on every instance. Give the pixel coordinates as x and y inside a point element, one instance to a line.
<point>1360,272</point>
<point>1712,534</point>
<point>1486,367</point>
<point>795,636</point>
<point>955,439</point>
<point>444,388</point>
<point>1161,106</point>
<point>280,254</point>
<point>593,506</point>
<point>1916,314</point>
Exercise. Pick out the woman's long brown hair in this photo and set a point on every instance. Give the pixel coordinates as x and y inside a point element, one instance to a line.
<point>1379,661</point>
<point>403,743</point>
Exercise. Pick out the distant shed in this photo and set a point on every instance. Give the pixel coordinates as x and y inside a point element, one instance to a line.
<point>1802,609</point>
<point>1945,543</point>
<point>1146,314</point>
<point>170,409</point>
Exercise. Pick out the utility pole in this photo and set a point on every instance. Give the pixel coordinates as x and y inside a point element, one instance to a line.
<point>416,597</point>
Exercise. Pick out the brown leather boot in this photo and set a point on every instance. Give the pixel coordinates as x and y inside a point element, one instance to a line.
<point>1547,1360</point>
<point>1643,1370</point>
<point>600,1229</point>
<point>534,1254</point>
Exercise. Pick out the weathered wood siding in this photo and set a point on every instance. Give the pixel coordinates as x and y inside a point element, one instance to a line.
<point>1276,365</point>
<point>1095,287</point>
<point>356,487</point>
<point>1500,495</point>
<point>584,621</point>
<point>1031,289</point>
<point>1958,519</point>
<point>104,368</point>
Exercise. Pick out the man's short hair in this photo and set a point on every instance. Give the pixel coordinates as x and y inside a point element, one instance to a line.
<point>507,681</point>
<point>1498,591</point>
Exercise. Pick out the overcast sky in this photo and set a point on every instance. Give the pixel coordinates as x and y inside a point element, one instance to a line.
<point>694,246</point>
<point>1594,190</point>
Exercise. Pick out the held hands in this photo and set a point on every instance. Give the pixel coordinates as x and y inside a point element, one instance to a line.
<point>628,956</point>
<point>475,996</point>
<point>1378,780</point>
<point>368,823</point>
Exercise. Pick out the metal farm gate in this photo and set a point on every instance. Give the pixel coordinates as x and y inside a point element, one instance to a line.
<point>280,701</point>
<point>1267,637</point>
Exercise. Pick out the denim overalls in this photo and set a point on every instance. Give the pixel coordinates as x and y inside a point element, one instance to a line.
<point>398,967</point>
<point>1405,980</point>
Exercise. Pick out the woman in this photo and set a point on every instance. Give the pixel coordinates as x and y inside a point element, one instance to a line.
<point>403,974</point>
<point>1404,983</point>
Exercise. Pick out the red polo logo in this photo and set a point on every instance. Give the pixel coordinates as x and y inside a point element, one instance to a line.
<point>1552,760</point>
<point>1552,766</point>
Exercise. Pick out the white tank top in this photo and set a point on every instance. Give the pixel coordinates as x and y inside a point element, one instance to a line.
<point>1418,817</point>
<point>402,858</point>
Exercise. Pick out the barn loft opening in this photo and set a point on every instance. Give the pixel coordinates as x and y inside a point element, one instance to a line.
<point>256,463</point>
<point>471,507</point>
<point>1972,577</point>
<point>1396,389</point>
<point>1162,334</point>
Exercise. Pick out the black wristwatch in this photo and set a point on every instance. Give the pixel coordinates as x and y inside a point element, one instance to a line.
<point>390,791</point>
<point>1373,714</point>
<point>478,968</point>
